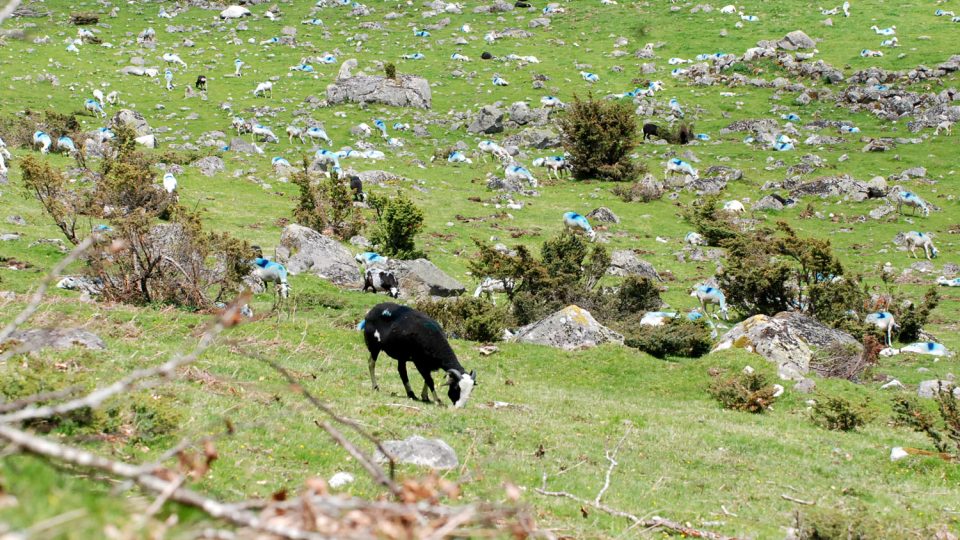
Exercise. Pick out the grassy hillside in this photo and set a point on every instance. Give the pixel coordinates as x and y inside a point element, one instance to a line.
<point>684,457</point>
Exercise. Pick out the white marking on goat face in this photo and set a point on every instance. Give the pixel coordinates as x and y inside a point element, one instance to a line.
<point>376,334</point>
<point>466,386</point>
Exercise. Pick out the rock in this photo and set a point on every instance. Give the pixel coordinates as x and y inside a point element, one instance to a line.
<point>9,237</point>
<point>624,262</point>
<point>570,328</point>
<point>56,338</point>
<point>929,389</point>
<point>882,211</point>
<point>238,144</point>
<point>488,120</point>
<point>540,138</point>
<point>521,114</point>
<point>417,450</point>
<point>836,186</point>
<point>209,166</point>
<point>132,119</point>
<point>407,91</point>
<point>768,203</point>
<point>603,215</point>
<point>421,278</point>
<point>345,69</point>
<point>150,141</point>
<point>805,386</point>
<point>796,40</point>
<point>304,250</point>
<point>790,339</point>
<point>16,220</point>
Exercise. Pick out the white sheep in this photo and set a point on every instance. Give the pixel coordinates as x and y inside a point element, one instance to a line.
<point>946,127</point>
<point>954,282</point>
<point>922,347</point>
<point>915,239</point>
<point>491,285</point>
<point>576,222</point>
<point>265,132</point>
<point>263,88</point>
<point>884,322</point>
<point>708,296</point>
<point>235,12</point>
<point>294,131</point>
<point>172,58</point>
<point>494,149</point>
<point>113,97</point>
<point>734,206</point>
<point>677,165</point>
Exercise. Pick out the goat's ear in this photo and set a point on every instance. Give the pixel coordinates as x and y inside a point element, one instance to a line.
<point>473,375</point>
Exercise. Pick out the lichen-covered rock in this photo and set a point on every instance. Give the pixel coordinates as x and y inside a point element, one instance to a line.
<point>489,119</point>
<point>417,450</point>
<point>406,91</point>
<point>304,250</point>
<point>603,215</point>
<point>624,262</point>
<point>796,40</point>
<point>209,166</point>
<point>930,389</point>
<point>570,328</point>
<point>132,119</point>
<point>790,339</point>
<point>56,338</point>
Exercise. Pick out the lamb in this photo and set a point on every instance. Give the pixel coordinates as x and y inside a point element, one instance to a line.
<point>907,198</point>
<point>677,165</point>
<point>294,131</point>
<point>914,239</point>
<point>884,321</point>
<point>263,88</point>
<point>946,127</point>
<point>922,347</point>
<point>272,272</point>
<point>408,335</point>
<point>201,83</point>
<point>708,295</point>
<point>576,222</point>
<point>381,280</point>
<point>241,125</point>
<point>491,285</point>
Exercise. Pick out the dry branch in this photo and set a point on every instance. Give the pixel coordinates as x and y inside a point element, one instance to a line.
<point>8,10</point>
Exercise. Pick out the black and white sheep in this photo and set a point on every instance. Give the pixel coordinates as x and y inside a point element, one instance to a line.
<point>381,280</point>
<point>408,335</point>
<point>201,83</point>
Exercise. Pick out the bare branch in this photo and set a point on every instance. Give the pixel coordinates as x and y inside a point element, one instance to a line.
<point>31,308</point>
<point>9,9</point>
<point>786,497</point>
<point>375,471</point>
<point>37,398</point>
<point>612,458</point>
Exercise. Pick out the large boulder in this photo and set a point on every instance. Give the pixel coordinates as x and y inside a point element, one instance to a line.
<point>417,450</point>
<point>489,119</point>
<point>570,328</point>
<point>790,339</point>
<point>56,338</point>
<point>304,250</point>
<point>624,262</point>
<point>239,144</point>
<point>132,119</point>
<point>210,165</point>
<point>407,91</point>
<point>421,278</point>
<point>930,389</point>
<point>521,114</point>
<point>533,137</point>
<point>796,40</point>
<point>843,185</point>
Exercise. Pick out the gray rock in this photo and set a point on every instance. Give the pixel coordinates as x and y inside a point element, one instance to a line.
<point>538,22</point>
<point>489,119</point>
<point>238,144</point>
<point>929,389</point>
<point>882,211</point>
<point>521,114</point>
<point>769,202</point>
<point>540,138</point>
<point>304,250</point>
<point>570,328</point>
<point>16,220</point>
<point>805,386</point>
<point>407,91</point>
<point>210,165</point>
<point>134,120</point>
<point>624,262</point>
<point>83,284</point>
<point>790,339</point>
<point>421,278</point>
<point>56,338</point>
<point>603,215</point>
<point>837,186</point>
<point>796,40</point>
<point>9,237</point>
<point>417,450</point>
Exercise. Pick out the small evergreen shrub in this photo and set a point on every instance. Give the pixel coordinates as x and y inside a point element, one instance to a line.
<point>398,223</point>
<point>838,414</point>
<point>326,205</point>
<point>748,392</point>
<point>710,221</point>
<point>391,71</point>
<point>942,427</point>
<point>467,317</point>
<point>599,135</point>
<point>677,337</point>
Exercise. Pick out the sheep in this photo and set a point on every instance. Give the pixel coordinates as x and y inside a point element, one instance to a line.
<point>91,105</point>
<point>946,127</point>
<point>172,58</point>
<point>954,282</point>
<point>884,31</point>
<point>490,147</point>
<point>728,9</point>
<point>113,97</point>
<point>201,83</point>
<point>677,165</point>
<point>922,347</point>
<point>907,198</point>
<point>168,76</point>
<point>294,131</point>
<point>942,13</point>
<point>734,206</point>
<point>3,149</point>
<point>362,130</point>
<point>280,163</point>
<point>519,173</point>
<point>914,239</point>
<point>575,222</point>
<point>400,126</point>
<point>556,164</point>
<point>98,95</point>
<point>459,57</point>
<point>651,130</point>
<point>749,18</point>
<point>382,126</point>
<point>551,102</point>
<point>675,107</point>
<point>884,321</point>
<point>235,12</point>
<point>265,132</point>
<point>356,186</point>
<point>408,335</point>
<point>708,295</point>
<point>421,33</point>
<point>458,157</point>
<point>238,67</point>
<point>892,42</point>
<point>66,144</point>
<point>103,135</point>
<point>169,182</point>
<point>263,88</point>
<point>43,140</point>
<point>381,280</point>
<point>491,285</point>
<point>272,272</point>
<point>327,59</point>
<point>241,125</point>
<point>589,77</point>
<point>867,53</point>
<point>3,166</point>
<point>500,81</point>
<point>694,239</point>
<point>414,56</point>
<point>368,258</point>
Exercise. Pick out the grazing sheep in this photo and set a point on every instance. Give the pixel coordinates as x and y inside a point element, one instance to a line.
<point>66,144</point>
<point>168,76</point>
<point>459,57</point>
<point>914,239</point>
<point>280,163</point>
<point>711,295</point>
<point>734,206</point>
<point>381,280</point>
<point>695,239</point>
<point>294,131</point>
<point>169,182</point>
<point>172,58</point>
<point>103,135</point>
<point>519,174</point>
<point>651,130</point>
<point>497,151</point>
<point>589,77</point>
<point>263,88</point>
<point>884,31</point>
<point>43,140</point>
<point>955,282</point>
<point>556,164</point>
<point>908,198</point>
<point>3,149</point>
<point>235,12</point>
<point>458,157</point>
<point>491,285</point>
<point>576,222</point>
<point>369,257</point>
<point>98,95</point>
<point>91,105</point>
<point>317,132</point>
<point>946,127</point>
<point>922,347</point>
<point>408,335</point>
<point>272,272</point>
<point>238,67</point>
<point>265,132</point>
<point>201,83</point>
<point>241,125</point>
<point>113,97</point>
<point>677,165</point>
<point>3,165</point>
<point>883,320</point>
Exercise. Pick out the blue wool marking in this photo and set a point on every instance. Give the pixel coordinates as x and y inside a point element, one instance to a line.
<point>931,346</point>
<point>708,289</point>
<point>386,313</point>
<point>362,325</point>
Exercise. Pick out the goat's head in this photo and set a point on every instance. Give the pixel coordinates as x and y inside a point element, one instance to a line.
<point>461,385</point>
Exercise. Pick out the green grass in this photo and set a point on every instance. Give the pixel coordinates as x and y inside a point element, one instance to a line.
<point>685,458</point>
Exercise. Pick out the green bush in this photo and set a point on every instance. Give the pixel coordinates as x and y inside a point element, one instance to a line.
<point>748,392</point>
<point>677,337</point>
<point>912,317</point>
<point>467,317</point>
<point>398,223</point>
<point>599,135</point>
<point>942,428</point>
<point>326,204</point>
<point>823,523</point>
<point>839,414</point>
<point>636,295</point>
<point>710,221</point>
<point>390,70</point>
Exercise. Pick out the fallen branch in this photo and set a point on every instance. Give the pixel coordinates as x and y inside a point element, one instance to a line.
<point>786,497</point>
<point>612,458</point>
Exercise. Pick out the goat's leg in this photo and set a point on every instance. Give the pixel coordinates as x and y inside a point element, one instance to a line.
<point>428,384</point>
<point>402,369</point>
<point>372,365</point>
<point>913,251</point>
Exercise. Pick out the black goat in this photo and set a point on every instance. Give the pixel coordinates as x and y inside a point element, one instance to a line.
<point>650,130</point>
<point>381,280</point>
<point>201,83</point>
<point>521,4</point>
<point>486,55</point>
<point>408,335</point>
<point>356,185</point>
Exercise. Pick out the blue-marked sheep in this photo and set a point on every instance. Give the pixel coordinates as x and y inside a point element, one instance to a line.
<point>272,272</point>
<point>914,239</point>
<point>884,322</point>
<point>408,335</point>
<point>708,295</point>
<point>381,280</point>
<point>576,222</point>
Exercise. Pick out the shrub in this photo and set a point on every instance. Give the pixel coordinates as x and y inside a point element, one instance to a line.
<point>127,182</point>
<point>645,191</point>
<point>467,317</point>
<point>749,392</point>
<point>398,223</point>
<point>326,204</point>
<point>912,317</point>
<point>391,71</point>
<point>682,134</point>
<point>943,432</point>
<point>710,221</point>
<point>49,187</point>
<point>678,337</point>
<point>599,135</point>
<point>840,361</point>
<point>839,414</point>
<point>823,523</point>
<point>636,295</point>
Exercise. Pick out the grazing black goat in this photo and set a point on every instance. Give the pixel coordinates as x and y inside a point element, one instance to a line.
<point>650,130</point>
<point>408,335</point>
<point>356,185</point>
<point>201,83</point>
<point>381,280</point>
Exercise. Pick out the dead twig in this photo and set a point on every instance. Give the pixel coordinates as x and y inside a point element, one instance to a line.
<point>37,398</point>
<point>612,458</point>
<point>786,497</point>
<point>365,461</point>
